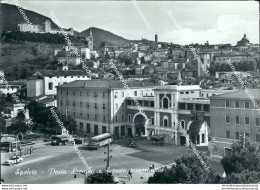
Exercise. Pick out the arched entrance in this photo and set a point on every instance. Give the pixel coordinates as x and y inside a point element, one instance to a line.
<point>139,124</point>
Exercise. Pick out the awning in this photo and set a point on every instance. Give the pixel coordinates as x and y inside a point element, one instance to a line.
<point>195,127</point>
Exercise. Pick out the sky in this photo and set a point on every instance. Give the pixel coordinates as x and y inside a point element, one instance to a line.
<point>218,22</point>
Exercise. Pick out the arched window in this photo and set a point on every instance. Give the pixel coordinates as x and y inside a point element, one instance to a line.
<point>165,103</point>
<point>165,121</point>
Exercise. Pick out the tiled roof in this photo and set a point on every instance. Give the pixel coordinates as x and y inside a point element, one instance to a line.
<point>239,95</point>
<point>104,84</point>
<point>61,72</point>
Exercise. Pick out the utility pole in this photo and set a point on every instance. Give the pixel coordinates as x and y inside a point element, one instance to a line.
<point>108,156</point>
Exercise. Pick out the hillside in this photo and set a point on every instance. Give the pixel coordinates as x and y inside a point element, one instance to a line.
<point>10,17</point>
<point>19,60</point>
<point>108,38</point>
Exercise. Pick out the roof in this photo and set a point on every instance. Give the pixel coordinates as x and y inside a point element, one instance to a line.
<point>8,139</point>
<point>60,72</point>
<point>104,84</point>
<point>233,55</point>
<point>46,100</point>
<point>239,95</point>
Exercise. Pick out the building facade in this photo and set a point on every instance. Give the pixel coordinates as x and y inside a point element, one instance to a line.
<point>233,115</point>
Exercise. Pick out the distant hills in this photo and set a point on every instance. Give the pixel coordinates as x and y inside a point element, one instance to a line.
<point>10,17</point>
<point>107,37</point>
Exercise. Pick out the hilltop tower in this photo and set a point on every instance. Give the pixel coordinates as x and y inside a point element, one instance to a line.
<point>47,26</point>
<point>156,38</point>
<point>90,40</point>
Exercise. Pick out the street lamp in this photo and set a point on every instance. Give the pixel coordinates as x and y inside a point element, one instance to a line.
<point>17,136</point>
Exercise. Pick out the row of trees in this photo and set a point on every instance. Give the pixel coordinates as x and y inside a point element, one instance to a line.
<point>239,66</point>
<point>33,37</point>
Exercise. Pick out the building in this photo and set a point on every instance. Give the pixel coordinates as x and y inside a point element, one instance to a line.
<point>44,82</point>
<point>233,115</point>
<point>14,108</point>
<point>99,106</point>
<point>139,69</point>
<point>25,27</point>
<point>44,28</point>
<point>13,87</point>
<point>167,103</point>
<point>233,57</point>
<point>69,60</point>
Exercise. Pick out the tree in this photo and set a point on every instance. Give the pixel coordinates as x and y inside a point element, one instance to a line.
<point>244,156</point>
<point>17,127</point>
<point>100,178</point>
<point>2,124</point>
<point>188,169</point>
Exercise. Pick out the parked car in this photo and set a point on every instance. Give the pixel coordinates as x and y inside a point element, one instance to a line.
<point>131,143</point>
<point>13,160</point>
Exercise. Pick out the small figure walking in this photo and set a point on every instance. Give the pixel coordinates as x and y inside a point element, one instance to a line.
<point>153,166</point>
<point>130,174</point>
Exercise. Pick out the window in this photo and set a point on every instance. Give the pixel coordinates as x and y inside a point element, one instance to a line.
<point>203,138</point>
<point>151,104</point>
<point>190,106</point>
<point>95,94</point>
<point>95,105</point>
<point>246,105</point>
<point>247,121</point>
<point>95,117</point>
<point>87,93</point>
<point>74,114</point>
<point>187,92</point>
<point>67,93</point>
<point>182,106</point>
<point>123,117</point>
<point>237,135</point>
<point>87,104</point>
<point>183,124</point>
<point>87,116</point>
<point>116,94</point>
<point>104,106</point>
<point>122,105</point>
<point>104,129</point>
<point>104,118</point>
<point>165,121</point>
<point>104,94</point>
<point>61,103</point>
<point>181,92</point>
<point>257,121</point>
<point>227,119</point>
<point>80,93</point>
<point>247,135</point>
<point>129,118</point>
<point>227,134</point>
<point>116,118</point>
<point>192,92</point>
<point>123,94</point>
<point>81,117</point>
<point>122,130</point>
<point>165,103</point>
<point>152,120</point>
<point>237,105</point>
<point>116,105</point>
<point>74,104</point>
<point>80,104</point>
<point>73,93</point>
<point>81,125</point>
<point>88,128</point>
<point>61,92</point>
<point>237,120</point>
<point>198,107</point>
<point>50,86</point>
<point>227,104</point>
<point>257,138</point>
<point>135,93</point>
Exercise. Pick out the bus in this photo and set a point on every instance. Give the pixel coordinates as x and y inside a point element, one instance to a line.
<point>99,141</point>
